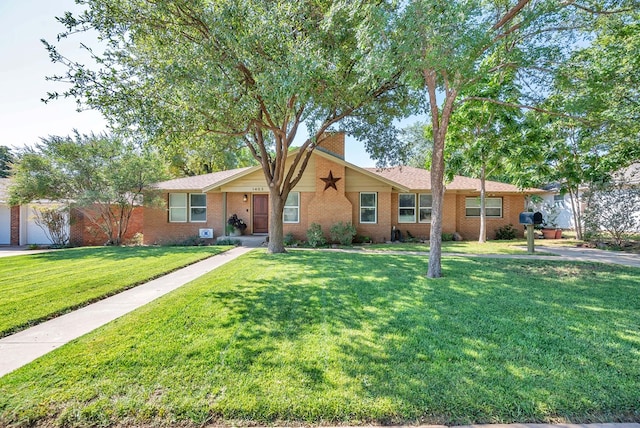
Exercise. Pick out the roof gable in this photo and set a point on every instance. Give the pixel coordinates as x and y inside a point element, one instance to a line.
<point>420,179</point>
<point>202,182</point>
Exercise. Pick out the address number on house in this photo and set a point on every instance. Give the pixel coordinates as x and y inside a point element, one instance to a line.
<point>257,189</point>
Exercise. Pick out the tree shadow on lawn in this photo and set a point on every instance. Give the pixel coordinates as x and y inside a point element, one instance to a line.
<point>481,344</point>
<point>326,338</point>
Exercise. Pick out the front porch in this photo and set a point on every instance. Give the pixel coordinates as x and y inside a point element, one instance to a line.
<point>251,241</point>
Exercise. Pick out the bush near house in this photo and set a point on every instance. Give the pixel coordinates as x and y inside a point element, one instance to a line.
<point>315,236</point>
<point>342,233</point>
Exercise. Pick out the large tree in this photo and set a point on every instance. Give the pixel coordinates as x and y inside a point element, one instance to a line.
<point>444,44</point>
<point>599,133</point>
<point>103,176</point>
<point>252,71</point>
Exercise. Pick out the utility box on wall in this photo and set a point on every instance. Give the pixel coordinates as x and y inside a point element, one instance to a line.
<point>206,233</point>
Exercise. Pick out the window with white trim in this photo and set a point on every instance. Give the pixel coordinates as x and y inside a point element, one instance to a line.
<point>368,207</point>
<point>178,207</point>
<point>425,202</point>
<point>197,207</point>
<point>558,201</point>
<point>292,208</point>
<point>406,208</point>
<point>493,207</point>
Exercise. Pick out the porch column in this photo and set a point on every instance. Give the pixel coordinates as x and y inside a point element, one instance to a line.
<point>224,213</point>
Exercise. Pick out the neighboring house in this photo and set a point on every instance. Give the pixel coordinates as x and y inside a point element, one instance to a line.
<point>553,198</point>
<point>18,225</point>
<point>330,191</point>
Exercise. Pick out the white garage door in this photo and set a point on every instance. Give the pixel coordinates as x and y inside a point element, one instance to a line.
<point>33,233</point>
<point>5,225</point>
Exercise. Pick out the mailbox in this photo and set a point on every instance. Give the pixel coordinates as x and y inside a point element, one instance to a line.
<point>530,218</point>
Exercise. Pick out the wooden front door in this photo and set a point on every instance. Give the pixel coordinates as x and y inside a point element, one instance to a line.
<point>260,213</point>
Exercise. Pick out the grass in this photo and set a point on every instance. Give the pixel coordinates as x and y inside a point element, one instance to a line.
<point>323,338</point>
<point>461,247</point>
<point>41,286</point>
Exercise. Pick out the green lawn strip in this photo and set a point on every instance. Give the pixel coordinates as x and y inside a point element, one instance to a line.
<point>328,338</point>
<point>41,286</point>
<point>460,247</point>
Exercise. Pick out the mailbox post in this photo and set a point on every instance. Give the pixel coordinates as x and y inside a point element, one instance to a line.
<point>530,219</point>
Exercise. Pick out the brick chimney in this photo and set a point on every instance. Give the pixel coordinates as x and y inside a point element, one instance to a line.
<point>333,143</point>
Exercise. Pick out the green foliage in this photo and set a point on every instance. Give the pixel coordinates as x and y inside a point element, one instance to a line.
<point>217,75</point>
<point>315,237</point>
<point>6,160</point>
<point>342,233</point>
<point>506,233</point>
<point>446,237</point>
<point>289,239</point>
<point>40,286</point>
<point>368,334</point>
<point>612,209</point>
<point>103,175</point>
<point>229,241</point>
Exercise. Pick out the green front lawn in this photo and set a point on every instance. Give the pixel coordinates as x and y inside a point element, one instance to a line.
<point>40,286</point>
<point>461,247</point>
<point>327,338</point>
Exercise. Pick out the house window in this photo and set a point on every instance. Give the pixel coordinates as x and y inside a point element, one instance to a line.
<point>292,208</point>
<point>197,207</point>
<point>368,207</point>
<point>182,204</point>
<point>493,207</point>
<point>424,209</point>
<point>406,208</point>
<point>558,201</point>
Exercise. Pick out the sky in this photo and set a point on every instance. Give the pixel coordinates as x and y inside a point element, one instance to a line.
<point>24,64</point>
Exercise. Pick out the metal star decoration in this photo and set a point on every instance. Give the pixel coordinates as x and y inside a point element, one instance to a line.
<point>330,181</point>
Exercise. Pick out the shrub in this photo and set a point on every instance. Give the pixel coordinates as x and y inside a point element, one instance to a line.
<point>506,233</point>
<point>447,237</point>
<point>342,233</point>
<point>289,240</point>
<point>54,221</point>
<point>315,237</point>
<point>136,240</point>
<point>229,241</point>
<point>362,239</point>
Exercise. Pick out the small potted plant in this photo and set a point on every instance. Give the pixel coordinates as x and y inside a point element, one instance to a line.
<point>550,225</point>
<point>235,225</point>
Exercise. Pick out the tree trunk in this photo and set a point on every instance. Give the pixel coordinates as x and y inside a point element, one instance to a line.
<point>276,233</point>
<point>482,237</point>
<point>575,207</point>
<point>440,124</point>
<point>435,238</point>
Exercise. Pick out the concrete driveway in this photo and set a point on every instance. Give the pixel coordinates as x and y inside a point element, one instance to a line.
<point>19,251</point>
<point>593,255</point>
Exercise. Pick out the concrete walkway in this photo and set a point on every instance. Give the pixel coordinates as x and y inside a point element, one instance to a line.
<point>20,251</point>
<point>25,346</point>
<point>593,255</point>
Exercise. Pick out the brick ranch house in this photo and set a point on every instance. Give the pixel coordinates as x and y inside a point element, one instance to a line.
<point>330,191</point>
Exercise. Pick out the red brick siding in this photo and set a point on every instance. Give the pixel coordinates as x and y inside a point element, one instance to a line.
<point>334,143</point>
<point>15,225</point>
<point>329,206</point>
<point>379,232</point>
<point>158,230</point>
<point>469,227</point>
<point>83,232</point>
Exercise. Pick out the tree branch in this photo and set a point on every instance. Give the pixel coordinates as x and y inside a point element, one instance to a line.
<point>510,14</point>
